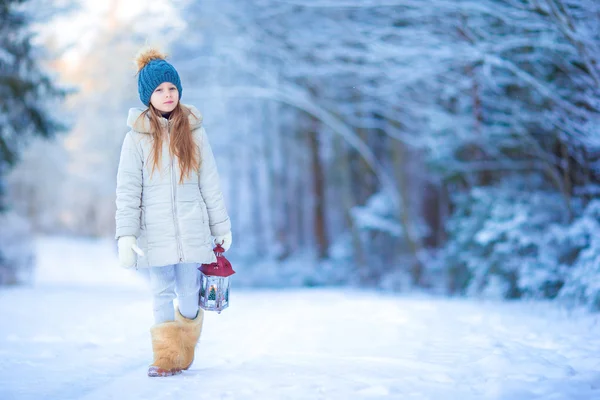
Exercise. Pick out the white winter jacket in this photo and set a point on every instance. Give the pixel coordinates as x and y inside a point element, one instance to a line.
<point>172,222</point>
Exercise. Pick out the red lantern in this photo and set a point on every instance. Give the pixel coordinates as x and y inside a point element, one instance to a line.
<point>214,283</point>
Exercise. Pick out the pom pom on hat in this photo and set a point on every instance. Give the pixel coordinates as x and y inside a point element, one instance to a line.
<point>153,70</point>
<point>144,57</point>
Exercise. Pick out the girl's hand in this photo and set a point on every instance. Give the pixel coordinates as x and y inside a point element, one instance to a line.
<point>224,241</point>
<point>126,254</point>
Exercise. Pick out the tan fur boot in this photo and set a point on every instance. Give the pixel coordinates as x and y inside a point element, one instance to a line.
<point>191,330</point>
<point>168,349</point>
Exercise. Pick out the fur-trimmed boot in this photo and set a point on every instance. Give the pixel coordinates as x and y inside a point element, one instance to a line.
<point>191,330</point>
<point>167,348</point>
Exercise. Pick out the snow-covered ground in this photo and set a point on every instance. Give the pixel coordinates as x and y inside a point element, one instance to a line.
<point>81,332</point>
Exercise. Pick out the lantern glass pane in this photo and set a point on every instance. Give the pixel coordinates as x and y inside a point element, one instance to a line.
<point>214,293</point>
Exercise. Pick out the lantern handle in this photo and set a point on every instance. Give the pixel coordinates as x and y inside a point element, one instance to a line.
<point>219,249</point>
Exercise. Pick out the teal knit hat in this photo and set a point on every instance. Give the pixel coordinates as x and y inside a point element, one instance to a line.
<point>152,71</point>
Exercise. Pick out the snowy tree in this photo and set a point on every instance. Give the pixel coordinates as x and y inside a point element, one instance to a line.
<point>27,91</point>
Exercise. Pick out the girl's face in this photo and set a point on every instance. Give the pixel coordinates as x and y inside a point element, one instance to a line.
<point>165,97</point>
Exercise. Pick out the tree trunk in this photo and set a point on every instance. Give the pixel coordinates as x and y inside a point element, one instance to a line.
<point>348,202</point>
<point>399,160</point>
<point>276,180</point>
<point>318,178</point>
<point>300,196</point>
<point>288,232</point>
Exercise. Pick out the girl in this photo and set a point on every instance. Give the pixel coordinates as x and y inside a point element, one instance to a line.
<point>170,204</point>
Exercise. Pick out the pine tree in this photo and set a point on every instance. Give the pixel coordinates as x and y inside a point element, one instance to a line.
<point>25,90</point>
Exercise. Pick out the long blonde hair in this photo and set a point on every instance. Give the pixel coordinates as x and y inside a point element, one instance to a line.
<point>181,145</point>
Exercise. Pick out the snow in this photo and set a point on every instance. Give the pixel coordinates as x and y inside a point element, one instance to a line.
<point>81,332</point>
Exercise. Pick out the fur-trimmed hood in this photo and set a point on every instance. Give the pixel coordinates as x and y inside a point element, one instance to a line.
<point>143,125</point>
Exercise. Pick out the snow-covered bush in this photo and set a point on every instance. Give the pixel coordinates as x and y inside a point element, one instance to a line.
<point>582,284</point>
<point>383,261</point>
<point>512,243</point>
<point>17,259</point>
<point>497,243</point>
<point>387,257</point>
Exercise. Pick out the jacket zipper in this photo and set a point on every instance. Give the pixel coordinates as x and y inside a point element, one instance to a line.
<point>173,201</point>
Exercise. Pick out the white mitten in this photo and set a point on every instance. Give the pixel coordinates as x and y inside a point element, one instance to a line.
<point>126,254</point>
<point>224,241</point>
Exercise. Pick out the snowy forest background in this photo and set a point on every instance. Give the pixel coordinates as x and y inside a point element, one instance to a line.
<point>450,146</point>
